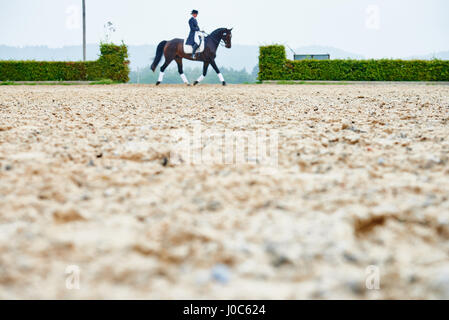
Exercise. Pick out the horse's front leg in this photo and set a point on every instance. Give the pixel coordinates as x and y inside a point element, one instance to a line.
<point>220,76</point>
<point>201,78</point>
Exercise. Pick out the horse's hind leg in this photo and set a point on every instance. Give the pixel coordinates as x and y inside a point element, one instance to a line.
<point>181,71</point>
<point>167,62</point>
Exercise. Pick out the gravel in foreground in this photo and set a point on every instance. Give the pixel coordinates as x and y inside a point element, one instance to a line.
<point>91,179</point>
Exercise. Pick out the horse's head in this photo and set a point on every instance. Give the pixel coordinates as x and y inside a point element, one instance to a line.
<point>227,37</point>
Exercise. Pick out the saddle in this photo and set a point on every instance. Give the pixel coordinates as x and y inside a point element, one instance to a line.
<point>188,49</point>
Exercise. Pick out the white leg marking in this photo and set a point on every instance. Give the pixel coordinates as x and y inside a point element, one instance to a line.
<point>201,78</point>
<point>161,77</point>
<point>184,78</point>
<point>220,76</point>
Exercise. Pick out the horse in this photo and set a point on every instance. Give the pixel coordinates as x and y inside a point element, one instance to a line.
<point>174,50</point>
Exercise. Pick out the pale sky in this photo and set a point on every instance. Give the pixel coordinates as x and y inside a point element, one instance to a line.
<point>373,28</point>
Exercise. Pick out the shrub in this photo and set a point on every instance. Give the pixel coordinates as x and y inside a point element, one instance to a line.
<point>272,62</point>
<point>112,64</point>
<point>273,65</point>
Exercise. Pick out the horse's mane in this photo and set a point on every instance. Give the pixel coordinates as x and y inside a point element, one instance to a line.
<point>217,34</point>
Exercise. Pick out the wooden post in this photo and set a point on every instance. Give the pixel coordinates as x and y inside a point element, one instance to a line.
<point>84,30</point>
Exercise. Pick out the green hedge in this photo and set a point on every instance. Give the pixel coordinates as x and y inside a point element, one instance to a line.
<point>112,64</point>
<point>273,65</point>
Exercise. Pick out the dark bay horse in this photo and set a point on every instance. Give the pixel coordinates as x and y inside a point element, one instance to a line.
<point>174,50</point>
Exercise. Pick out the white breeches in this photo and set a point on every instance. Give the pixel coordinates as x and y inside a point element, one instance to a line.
<point>197,37</point>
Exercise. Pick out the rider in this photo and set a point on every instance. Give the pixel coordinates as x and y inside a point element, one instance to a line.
<point>193,29</point>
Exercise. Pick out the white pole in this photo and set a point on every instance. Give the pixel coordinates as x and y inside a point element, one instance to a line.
<point>84,30</point>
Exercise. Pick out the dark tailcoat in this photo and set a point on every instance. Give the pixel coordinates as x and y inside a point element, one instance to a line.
<point>193,28</point>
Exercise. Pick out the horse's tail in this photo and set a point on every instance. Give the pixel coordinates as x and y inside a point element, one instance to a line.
<point>159,52</point>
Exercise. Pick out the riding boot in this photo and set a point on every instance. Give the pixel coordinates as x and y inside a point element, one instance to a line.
<point>194,47</point>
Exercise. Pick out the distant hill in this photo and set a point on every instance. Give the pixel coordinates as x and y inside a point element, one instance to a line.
<point>68,53</point>
<point>141,56</point>
<point>443,55</point>
<point>238,58</point>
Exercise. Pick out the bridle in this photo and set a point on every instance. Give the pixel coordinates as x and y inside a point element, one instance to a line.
<point>221,43</point>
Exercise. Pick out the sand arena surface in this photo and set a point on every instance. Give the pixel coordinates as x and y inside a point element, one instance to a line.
<point>87,179</point>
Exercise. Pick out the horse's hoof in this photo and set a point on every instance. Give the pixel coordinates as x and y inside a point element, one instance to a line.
<point>158,83</point>
<point>224,83</point>
<point>195,83</point>
<point>189,85</point>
